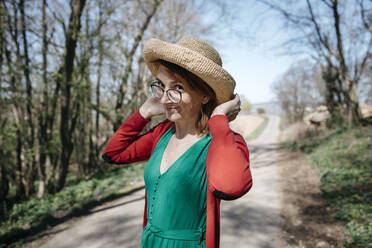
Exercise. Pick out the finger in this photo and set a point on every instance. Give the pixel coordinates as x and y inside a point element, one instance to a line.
<point>236,111</point>
<point>232,117</point>
<point>237,99</point>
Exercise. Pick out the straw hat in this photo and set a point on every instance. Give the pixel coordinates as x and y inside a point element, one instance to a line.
<point>196,56</point>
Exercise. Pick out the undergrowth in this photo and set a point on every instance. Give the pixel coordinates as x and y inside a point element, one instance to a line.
<point>344,158</point>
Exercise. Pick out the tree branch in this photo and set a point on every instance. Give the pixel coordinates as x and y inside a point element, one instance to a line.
<point>128,67</point>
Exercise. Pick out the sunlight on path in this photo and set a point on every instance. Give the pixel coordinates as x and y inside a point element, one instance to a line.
<point>246,124</point>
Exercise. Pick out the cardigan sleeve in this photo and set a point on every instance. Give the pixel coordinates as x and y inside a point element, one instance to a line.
<point>127,145</point>
<point>228,169</point>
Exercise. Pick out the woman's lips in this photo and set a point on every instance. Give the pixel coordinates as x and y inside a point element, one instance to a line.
<point>171,108</point>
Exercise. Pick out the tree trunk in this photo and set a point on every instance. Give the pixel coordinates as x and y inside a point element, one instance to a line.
<point>353,114</point>
<point>4,189</point>
<point>2,43</point>
<point>14,73</point>
<point>98,84</point>
<point>30,177</point>
<point>330,76</point>
<point>67,122</point>
<point>4,184</point>
<point>19,174</point>
<point>43,113</point>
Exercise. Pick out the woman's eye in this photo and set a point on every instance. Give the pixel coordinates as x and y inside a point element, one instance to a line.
<point>179,87</point>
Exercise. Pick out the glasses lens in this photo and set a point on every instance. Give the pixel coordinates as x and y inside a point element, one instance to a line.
<point>174,95</point>
<point>156,91</point>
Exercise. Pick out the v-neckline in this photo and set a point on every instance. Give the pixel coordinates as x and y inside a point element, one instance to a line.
<point>172,131</point>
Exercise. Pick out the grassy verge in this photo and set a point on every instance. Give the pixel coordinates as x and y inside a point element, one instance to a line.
<point>37,214</point>
<point>344,158</point>
<point>259,129</point>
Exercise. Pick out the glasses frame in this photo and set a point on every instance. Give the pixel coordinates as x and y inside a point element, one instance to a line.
<point>168,92</point>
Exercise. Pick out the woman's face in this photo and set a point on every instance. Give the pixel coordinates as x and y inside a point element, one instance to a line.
<point>189,108</point>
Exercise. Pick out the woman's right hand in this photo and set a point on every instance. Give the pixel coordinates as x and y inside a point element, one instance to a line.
<point>151,107</point>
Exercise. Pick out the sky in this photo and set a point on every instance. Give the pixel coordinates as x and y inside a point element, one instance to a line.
<point>251,54</point>
<point>254,72</point>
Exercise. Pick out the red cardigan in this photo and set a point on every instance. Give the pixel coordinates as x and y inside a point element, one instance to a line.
<point>227,165</point>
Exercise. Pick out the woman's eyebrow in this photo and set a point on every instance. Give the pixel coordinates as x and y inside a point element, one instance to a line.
<point>171,82</point>
<point>159,81</point>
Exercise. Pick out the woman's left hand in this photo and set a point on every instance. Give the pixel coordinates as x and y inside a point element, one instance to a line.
<point>230,108</point>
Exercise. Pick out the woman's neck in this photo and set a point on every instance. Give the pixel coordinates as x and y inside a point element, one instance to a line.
<point>184,129</point>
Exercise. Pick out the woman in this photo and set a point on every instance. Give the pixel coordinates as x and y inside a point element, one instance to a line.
<point>194,159</point>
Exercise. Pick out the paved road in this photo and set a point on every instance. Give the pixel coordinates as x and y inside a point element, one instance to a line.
<point>116,224</point>
<point>250,221</point>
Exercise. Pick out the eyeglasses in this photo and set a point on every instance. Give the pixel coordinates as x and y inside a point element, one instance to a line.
<point>157,91</point>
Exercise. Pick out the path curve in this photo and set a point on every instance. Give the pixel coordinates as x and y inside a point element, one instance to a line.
<point>251,221</point>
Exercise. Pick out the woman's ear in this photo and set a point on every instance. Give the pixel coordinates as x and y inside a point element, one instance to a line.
<point>205,99</point>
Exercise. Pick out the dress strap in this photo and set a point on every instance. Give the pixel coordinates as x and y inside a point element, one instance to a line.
<point>177,234</point>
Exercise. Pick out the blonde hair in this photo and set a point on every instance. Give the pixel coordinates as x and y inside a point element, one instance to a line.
<point>197,84</point>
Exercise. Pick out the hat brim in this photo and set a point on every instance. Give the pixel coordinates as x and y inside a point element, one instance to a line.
<point>213,74</point>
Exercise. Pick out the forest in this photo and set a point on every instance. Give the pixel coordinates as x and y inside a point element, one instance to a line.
<point>71,72</point>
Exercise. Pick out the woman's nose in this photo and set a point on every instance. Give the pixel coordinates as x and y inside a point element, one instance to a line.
<point>164,99</point>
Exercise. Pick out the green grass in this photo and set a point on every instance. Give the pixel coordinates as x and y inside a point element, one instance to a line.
<point>77,196</point>
<point>344,157</point>
<point>259,129</point>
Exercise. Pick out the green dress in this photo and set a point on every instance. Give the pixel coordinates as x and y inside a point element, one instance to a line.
<point>176,199</point>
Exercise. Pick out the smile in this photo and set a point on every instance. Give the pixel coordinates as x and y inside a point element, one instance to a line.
<point>171,108</point>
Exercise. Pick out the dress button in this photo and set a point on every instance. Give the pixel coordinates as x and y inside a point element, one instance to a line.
<point>153,198</point>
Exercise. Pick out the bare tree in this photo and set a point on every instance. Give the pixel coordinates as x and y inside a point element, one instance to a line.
<point>297,89</point>
<point>44,117</point>
<point>15,49</point>
<point>335,35</point>
<point>129,55</point>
